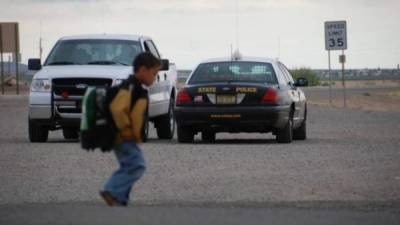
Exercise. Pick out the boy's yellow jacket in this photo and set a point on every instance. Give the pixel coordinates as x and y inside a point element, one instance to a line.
<point>129,111</point>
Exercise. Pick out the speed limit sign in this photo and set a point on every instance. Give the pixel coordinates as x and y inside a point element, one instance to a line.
<point>335,35</point>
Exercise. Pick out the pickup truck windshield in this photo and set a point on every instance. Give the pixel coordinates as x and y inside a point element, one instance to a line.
<point>252,72</point>
<point>94,52</point>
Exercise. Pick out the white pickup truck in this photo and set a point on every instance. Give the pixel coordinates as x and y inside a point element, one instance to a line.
<point>77,62</point>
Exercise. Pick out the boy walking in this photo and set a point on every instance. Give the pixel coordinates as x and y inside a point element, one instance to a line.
<point>129,110</point>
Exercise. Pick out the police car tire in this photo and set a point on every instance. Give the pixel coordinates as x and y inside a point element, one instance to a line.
<point>208,136</point>
<point>301,132</point>
<point>37,133</point>
<point>285,135</point>
<point>185,135</point>
<point>70,133</point>
<point>166,127</point>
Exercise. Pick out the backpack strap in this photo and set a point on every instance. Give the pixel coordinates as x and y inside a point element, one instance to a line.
<point>131,89</point>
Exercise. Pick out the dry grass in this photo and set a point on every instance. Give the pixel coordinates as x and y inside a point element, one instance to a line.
<point>384,101</point>
<point>364,83</point>
<point>373,100</point>
<point>395,93</point>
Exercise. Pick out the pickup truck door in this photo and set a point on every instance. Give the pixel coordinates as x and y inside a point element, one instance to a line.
<point>159,91</point>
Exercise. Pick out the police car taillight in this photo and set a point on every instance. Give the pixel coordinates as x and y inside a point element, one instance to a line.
<point>270,96</point>
<point>183,97</point>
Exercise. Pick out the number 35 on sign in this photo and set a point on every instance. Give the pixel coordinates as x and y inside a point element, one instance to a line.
<point>335,35</point>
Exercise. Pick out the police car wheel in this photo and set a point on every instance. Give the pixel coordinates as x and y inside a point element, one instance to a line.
<point>208,136</point>
<point>185,134</point>
<point>70,133</point>
<point>166,124</point>
<point>37,133</point>
<point>301,132</point>
<point>285,135</point>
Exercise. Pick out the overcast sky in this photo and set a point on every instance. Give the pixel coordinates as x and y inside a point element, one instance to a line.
<point>188,31</point>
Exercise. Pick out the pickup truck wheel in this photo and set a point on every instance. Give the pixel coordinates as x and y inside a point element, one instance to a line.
<point>145,131</point>
<point>285,135</point>
<point>37,133</point>
<point>166,124</point>
<point>185,134</point>
<point>70,133</point>
<point>208,136</point>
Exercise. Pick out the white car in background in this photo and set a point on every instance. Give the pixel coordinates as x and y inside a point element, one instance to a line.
<point>77,62</point>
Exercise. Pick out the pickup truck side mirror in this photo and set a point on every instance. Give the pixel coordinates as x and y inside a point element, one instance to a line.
<point>34,64</point>
<point>164,64</point>
<point>301,82</point>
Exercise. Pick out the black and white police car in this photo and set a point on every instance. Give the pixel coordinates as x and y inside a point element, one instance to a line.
<point>241,94</point>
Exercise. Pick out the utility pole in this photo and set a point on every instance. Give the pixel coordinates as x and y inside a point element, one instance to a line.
<point>9,65</point>
<point>40,42</point>
<point>1,60</point>
<point>16,33</point>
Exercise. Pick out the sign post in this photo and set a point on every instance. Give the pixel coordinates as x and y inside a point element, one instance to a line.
<point>336,39</point>
<point>9,43</point>
<point>330,79</point>
<point>342,60</point>
<point>1,60</point>
<point>17,56</point>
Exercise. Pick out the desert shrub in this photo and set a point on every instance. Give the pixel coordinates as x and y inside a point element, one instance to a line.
<point>307,73</point>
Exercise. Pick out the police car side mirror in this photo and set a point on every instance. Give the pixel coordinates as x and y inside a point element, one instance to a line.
<point>301,82</point>
<point>164,64</point>
<point>34,64</point>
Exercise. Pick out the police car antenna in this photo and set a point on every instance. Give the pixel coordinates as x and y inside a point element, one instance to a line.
<point>231,53</point>
<point>40,41</point>
<point>236,55</point>
<point>279,47</point>
<point>237,24</point>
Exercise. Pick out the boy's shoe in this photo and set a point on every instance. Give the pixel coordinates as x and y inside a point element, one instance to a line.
<point>109,199</point>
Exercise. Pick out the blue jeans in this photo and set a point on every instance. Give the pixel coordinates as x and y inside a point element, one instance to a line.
<point>132,167</point>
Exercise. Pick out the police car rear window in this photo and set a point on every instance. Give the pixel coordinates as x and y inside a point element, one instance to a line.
<point>251,72</point>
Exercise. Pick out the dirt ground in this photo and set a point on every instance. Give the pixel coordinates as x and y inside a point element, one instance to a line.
<point>371,95</point>
<point>377,101</point>
<point>12,89</point>
<point>363,83</point>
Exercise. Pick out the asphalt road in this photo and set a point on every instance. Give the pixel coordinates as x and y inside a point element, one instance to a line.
<point>76,214</point>
<point>347,172</point>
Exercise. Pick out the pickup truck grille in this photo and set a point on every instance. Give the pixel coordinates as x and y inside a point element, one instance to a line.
<point>77,86</point>
<point>74,87</point>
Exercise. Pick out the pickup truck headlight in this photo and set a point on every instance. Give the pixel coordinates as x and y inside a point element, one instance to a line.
<point>40,85</point>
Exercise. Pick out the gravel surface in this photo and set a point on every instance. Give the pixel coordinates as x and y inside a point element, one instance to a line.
<point>350,156</point>
<point>372,98</point>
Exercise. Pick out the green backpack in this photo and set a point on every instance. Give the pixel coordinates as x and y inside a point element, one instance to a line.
<point>98,129</point>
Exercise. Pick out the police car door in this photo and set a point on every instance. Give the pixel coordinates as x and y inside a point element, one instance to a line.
<point>293,92</point>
